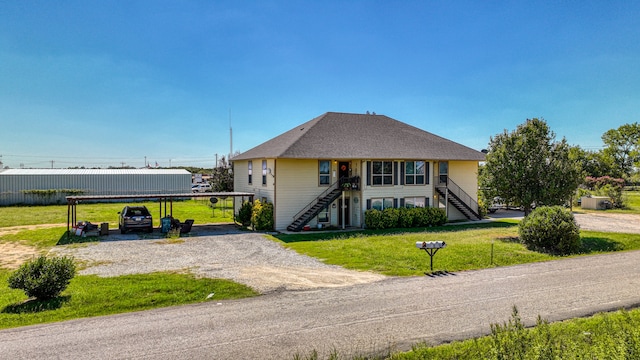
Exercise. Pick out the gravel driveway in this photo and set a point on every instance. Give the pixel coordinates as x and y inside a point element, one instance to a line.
<point>219,251</point>
<point>222,251</point>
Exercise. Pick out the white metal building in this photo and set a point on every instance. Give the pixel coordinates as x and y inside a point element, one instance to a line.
<point>51,186</point>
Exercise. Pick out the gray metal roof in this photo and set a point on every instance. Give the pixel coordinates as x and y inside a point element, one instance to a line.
<point>359,136</point>
<point>94,172</point>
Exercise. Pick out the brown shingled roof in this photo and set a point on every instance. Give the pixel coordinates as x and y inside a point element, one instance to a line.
<point>359,136</point>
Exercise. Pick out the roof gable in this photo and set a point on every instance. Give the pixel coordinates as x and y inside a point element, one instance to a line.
<point>359,136</point>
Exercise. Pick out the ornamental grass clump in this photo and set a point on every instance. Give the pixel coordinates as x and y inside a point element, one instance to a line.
<point>552,230</point>
<point>43,278</point>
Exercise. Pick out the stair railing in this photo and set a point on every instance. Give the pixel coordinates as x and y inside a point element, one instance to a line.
<point>462,195</point>
<point>331,188</point>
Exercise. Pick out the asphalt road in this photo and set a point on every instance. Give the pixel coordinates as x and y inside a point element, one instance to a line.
<point>388,315</point>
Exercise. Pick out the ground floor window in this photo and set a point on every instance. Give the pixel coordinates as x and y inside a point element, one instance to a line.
<point>381,203</point>
<point>412,202</point>
<point>323,216</point>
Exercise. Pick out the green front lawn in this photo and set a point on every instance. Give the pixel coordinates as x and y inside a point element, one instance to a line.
<point>89,296</point>
<point>469,247</point>
<point>197,209</point>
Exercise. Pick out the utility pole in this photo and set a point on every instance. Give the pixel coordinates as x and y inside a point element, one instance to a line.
<point>230,137</point>
<point>52,164</point>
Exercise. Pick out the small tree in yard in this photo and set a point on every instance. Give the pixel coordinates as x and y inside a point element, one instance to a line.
<point>222,177</point>
<point>550,229</point>
<point>262,216</point>
<point>527,167</point>
<point>244,214</point>
<point>43,278</point>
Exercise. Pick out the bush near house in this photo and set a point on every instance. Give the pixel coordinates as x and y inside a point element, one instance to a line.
<point>404,218</point>
<point>244,214</point>
<point>552,230</point>
<point>262,216</point>
<point>43,278</point>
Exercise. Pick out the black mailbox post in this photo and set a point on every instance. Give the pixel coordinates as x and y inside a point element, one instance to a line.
<point>431,248</point>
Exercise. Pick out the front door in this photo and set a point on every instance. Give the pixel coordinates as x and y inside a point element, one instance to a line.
<point>343,171</point>
<point>344,210</point>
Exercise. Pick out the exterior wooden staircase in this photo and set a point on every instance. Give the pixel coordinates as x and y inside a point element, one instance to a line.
<point>459,199</point>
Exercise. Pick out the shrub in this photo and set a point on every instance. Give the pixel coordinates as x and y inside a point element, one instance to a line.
<point>262,215</point>
<point>550,229</point>
<point>244,214</point>
<point>390,218</point>
<point>612,192</point>
<point>373,219</point>
<point>43,278</point>
<point>404,217</point>
<point>430,217</point>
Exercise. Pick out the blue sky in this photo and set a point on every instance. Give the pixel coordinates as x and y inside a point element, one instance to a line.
<point>101,83</point>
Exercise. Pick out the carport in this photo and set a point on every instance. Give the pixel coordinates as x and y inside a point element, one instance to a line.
<point>163,199</point>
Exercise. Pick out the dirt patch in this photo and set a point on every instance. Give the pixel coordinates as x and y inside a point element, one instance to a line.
<point>609,222</point>
<point>295,278</point>
<point>16,229</point>
<point>14,255</point>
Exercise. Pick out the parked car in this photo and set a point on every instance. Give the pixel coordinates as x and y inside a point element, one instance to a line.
<point>496,204</point>
<point>135,218</point>
<point>202,187</point>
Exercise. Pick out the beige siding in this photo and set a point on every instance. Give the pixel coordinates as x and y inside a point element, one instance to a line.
<point>296,187</point>
<point>465,174</point>
<point>241,180</point>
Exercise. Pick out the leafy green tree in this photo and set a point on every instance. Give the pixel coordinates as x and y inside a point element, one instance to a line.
<point>222,177</point>
<point>592,163</point>
<point>622,148</point>
<point>527,166</point>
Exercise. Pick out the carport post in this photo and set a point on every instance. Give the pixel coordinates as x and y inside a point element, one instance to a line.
<point>68,216</point>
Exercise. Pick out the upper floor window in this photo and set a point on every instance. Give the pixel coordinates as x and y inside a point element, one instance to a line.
<point>416,172</point>
<point>264,172</point>
<point>250,170</point>
<point>382,173</point>
<point>324,169</point>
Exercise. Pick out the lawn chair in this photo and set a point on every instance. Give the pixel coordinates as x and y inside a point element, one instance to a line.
<point>186,226</point>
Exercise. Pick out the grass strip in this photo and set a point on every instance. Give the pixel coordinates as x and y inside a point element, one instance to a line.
<point>96,213</point>
<point>602,336</point>
<point>468,248</point>
<point>89,296</point>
